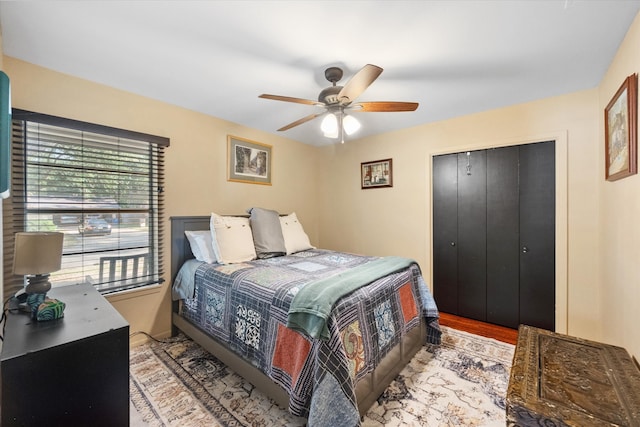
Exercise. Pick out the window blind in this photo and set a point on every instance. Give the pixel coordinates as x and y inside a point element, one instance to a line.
<point>101,186</point>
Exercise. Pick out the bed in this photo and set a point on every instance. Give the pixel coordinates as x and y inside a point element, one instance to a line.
<point>328,371</point>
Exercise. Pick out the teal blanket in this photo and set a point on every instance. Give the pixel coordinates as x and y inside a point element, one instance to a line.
<point>312,305</point>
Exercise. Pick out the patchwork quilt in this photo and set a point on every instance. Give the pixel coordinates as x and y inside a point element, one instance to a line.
<point>247,306</point>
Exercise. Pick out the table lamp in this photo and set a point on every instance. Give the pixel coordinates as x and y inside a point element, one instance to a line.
<point>36,255</point>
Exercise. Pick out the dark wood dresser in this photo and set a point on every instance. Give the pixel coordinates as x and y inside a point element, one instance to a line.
<point>72,371</point>
<point>558,380</point>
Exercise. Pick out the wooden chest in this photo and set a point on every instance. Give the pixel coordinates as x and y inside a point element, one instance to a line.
<point>558,380</point>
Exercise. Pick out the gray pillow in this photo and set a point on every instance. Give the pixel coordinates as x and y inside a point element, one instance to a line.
<point>267,232</point>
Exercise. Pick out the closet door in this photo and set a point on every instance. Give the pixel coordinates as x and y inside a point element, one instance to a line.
<point>472,234</point>
<point>537,235</point>
<point>503,237</point>
<point>445,232</point>
<point>494,235</point>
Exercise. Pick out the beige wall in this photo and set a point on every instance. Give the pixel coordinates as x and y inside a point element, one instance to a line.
<point>401,216</point>
<point>598,254</point>
<point>195,164</point>
<point>619,217</point>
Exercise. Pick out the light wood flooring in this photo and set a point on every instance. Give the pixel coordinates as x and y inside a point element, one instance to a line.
<point>489,330</point>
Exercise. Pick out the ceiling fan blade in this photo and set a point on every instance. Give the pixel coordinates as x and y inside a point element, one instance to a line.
<point>385,106</point>
<point>358,83</point>
<point>301,121</point>
<point>290,99</point>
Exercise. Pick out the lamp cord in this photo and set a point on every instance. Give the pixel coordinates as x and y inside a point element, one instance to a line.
<point>3,318</point>
<point>165,341</point>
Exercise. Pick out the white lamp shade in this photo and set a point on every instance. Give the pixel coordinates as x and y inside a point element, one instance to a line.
<point>329,126</point>
<point>350,124</point>
<point>37,252</point>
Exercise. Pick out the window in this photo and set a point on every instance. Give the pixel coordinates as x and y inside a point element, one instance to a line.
<point>101,187</point>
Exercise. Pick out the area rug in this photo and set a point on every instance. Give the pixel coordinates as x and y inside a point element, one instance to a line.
<point>462,382</point>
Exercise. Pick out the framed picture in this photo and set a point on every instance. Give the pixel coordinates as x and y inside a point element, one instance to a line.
<point>248,161</point>
<point>376,174</point>
<point>621,128</point>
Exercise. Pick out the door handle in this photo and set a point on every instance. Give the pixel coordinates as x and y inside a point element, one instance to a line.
<point>525,249</point>
<point>452,243</point>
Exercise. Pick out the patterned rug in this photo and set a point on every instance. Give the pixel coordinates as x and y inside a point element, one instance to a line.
<point>462,382</point>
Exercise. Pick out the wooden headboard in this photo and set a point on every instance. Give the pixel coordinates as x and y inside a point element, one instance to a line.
<point>180,248</point>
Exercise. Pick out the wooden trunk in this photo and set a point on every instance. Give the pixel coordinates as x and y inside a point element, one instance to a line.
<point>558,380</point>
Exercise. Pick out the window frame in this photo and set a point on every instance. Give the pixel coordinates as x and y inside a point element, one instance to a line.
<point>16,210</point>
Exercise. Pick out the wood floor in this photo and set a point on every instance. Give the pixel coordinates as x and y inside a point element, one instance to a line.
<point>489,330</point>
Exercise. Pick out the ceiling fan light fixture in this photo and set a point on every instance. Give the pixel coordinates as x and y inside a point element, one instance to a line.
<point>332,135</point>
<point>329,126</point>
<point>350,124</point>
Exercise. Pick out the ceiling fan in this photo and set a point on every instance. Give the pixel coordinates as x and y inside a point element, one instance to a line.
<point>336,99</point>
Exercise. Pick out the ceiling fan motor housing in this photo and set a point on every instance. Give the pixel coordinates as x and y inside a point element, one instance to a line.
<point>330,95</point>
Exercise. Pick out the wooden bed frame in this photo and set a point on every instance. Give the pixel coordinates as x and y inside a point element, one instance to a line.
<point>367,390</point>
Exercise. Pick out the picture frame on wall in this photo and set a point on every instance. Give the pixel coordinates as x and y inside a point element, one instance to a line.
<point>248,161</point>
<point>376,174</point>
<point>621,128</point>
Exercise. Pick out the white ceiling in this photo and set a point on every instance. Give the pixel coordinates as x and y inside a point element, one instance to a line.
<point>216,57</point>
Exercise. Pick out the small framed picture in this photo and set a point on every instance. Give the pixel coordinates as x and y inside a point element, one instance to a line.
<point>621,128</point>
<point>376,174</point>
<point>248,161</point>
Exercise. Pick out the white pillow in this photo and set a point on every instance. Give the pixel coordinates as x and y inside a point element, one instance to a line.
<point>201,245</point>
<point>232,239</point>
<point>295,239</point>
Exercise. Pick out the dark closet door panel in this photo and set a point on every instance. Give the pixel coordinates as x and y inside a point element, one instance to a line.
<point>445,230</point>
<point>503,238</point>
<point>494,234</point>
<point>472,239</point>
<point>537,235</point>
